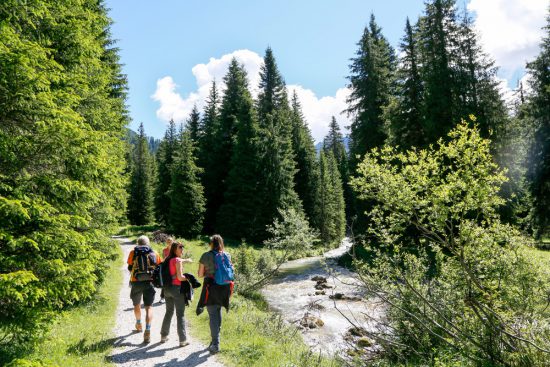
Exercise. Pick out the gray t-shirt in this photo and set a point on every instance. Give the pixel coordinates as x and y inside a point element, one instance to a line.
<point>207,259</point>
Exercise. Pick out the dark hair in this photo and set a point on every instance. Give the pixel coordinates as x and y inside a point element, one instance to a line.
<point>217,242</point>
<point>173,249</point>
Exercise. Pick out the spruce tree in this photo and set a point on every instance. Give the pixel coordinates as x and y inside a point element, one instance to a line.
<point>223,137</point>
<point>437,37</point>
<point>187,203</point>
<point>62,182</point>
<point>334,142</point>
<point>194,125</point>
<point>330,201</point>
<point>238,215</point>
<point>307,176</point>
<point>277,164</point>
<point>371,84</point>
<point>539,154</point>
<point>477,85</point>
<point>406,121</point>
<point>140,198</point>
<point>165,158</point>
<point>210,126</point>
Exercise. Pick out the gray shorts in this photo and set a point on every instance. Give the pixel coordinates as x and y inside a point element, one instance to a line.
<point>144,289</point>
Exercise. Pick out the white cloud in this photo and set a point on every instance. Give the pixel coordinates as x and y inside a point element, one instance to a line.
<point>317,111</point>
<point>173,105</point>
<point>511,30</point>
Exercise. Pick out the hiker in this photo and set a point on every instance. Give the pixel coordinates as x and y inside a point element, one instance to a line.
<point>172,295</point>
<point>216,268</point>
<point>165,254</point>
<point>142,260</point>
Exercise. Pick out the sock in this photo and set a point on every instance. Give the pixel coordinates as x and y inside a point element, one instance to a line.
<point>148,327</point>
<point>138,321</point>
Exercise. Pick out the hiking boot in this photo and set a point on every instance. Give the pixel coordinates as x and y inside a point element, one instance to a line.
<point>147,336</point>
<point>139,327</point>
<point>163,338</point>
<point>213,349</point>
<point>184,343</point>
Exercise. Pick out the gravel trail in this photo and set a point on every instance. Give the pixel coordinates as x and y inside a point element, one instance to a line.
<point>129,350</point>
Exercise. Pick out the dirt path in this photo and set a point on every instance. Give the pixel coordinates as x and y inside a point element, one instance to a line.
<point>129,349</point>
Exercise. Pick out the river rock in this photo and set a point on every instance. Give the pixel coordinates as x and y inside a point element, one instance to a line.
<point>321,286</point>
<point>341,296</point>
<point>319,279</point>
<point>357,331</point>
<point>312,322</point>
<point>320,293</point>
<point>364,342</point>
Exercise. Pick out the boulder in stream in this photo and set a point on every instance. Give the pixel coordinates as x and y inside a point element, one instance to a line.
<point>319,279</point>
<point>311,322</point>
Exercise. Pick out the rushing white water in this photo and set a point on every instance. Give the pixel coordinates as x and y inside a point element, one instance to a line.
<point>293,292</point>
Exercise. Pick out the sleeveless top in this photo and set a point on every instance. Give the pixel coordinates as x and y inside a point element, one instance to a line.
<point>172,267</point>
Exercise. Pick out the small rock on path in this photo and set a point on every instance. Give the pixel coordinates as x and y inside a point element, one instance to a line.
<point>129,350</point>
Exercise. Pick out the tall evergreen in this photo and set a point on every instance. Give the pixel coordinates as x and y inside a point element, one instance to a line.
<point>477,87</point>
<point>221,146</point>
<point>539,154</point>
<point>194,125</point>
<point>187,203</point>
<point>406,122</point>
<point>334,142</point>
<point>238,215</point>
<point>210,126</point>
<point>371,84</point>
<point>437,38</point>
<point>62,183</point>
<point>330,201</point>
<point>140,198</point>
<point>277,164</point>
<point>165,158</point>
<point>307,176</point>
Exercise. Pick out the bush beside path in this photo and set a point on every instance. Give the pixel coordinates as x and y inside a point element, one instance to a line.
<point>129,349</point>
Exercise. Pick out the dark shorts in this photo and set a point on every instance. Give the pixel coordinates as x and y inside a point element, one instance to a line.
<point>144,289</point>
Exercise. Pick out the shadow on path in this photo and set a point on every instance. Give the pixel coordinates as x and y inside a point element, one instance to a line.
<point>192,360</point>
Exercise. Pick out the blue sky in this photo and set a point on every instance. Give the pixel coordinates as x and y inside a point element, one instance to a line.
<point>312,41</point>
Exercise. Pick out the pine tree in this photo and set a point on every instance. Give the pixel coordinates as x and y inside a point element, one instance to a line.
<point>307,176</point>
<point>539,154</point>
<point>371,84</point>
<point>223,138</point>
<point>476,83</point>
<point>210,126</point>
<point>277,164</point>
<point>194,125</point>
<point>437,37</point>
<point>140,208</point>
<point>330,201</point>
<point>238,215</point>
<point>334,142</point>
<point>406,122</point>
<point>62,182</point>
<point>187,203</point>
<point>165,158</point>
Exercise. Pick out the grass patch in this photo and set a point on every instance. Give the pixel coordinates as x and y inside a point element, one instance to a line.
<point>82,336</point>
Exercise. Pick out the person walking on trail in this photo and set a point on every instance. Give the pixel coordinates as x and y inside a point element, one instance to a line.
<point>142,260</point>
<point>165,254</point>
<point>216,268</point>
<point>173,297</point>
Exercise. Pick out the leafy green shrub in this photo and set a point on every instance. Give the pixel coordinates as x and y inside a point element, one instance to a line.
<point>456,281</point>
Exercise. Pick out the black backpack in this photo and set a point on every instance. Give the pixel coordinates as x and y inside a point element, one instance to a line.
<point>145,262</point>
<point>161,274</point>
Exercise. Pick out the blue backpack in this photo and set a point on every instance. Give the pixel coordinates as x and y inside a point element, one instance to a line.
<point>224,269</point>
